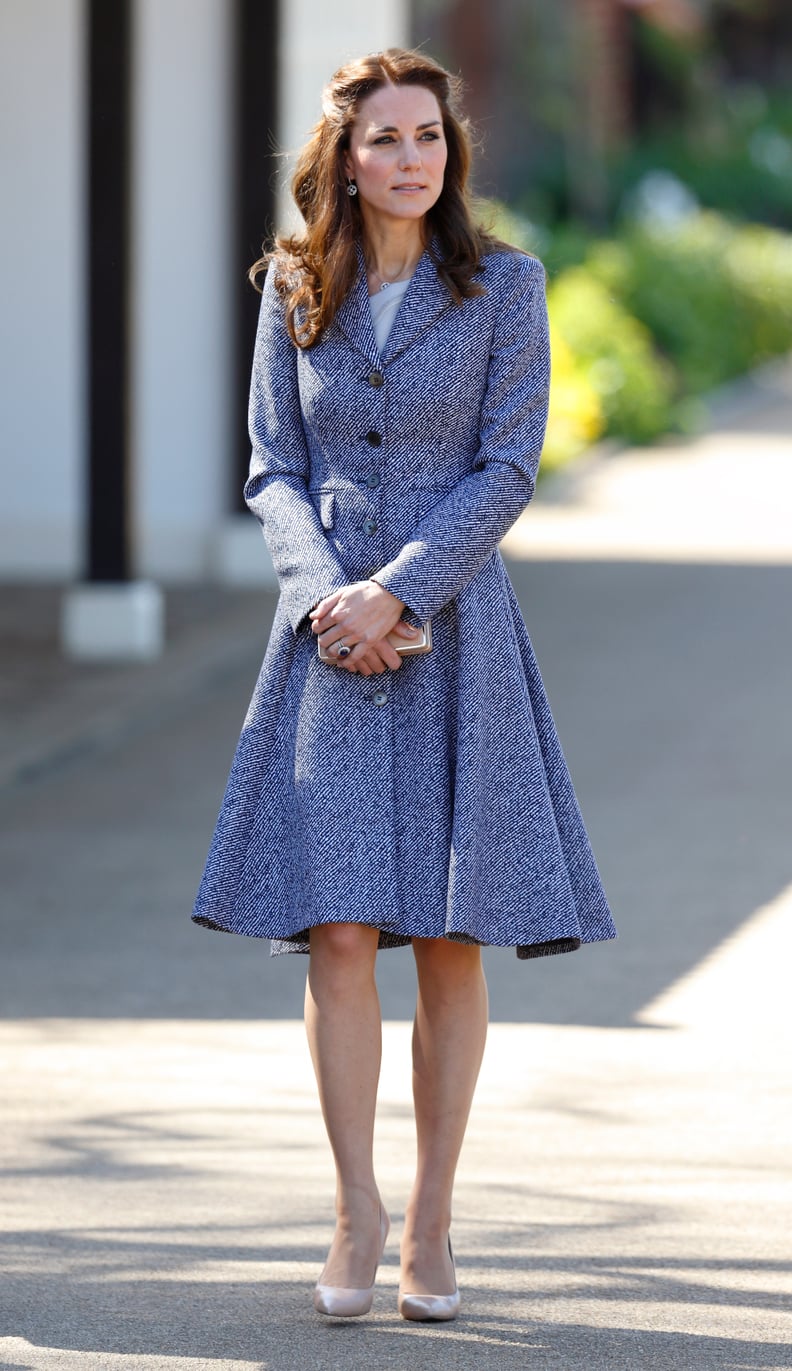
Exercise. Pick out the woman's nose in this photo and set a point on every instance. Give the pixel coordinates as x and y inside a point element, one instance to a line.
<point>411,156</point>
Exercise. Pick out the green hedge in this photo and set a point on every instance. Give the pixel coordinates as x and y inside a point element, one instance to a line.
<point>634,385</point>
<point>652,318</point>
<point>716,297</point>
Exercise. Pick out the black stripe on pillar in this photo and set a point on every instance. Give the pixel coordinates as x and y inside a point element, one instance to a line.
<point>108,277</point>
<point>256,87</point>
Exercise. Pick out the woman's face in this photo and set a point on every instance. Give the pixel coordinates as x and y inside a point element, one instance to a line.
<point>397,152</point>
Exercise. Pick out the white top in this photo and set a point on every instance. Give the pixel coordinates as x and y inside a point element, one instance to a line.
<point>384,307</point>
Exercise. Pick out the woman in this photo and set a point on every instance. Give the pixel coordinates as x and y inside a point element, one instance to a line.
<point>397,413</point>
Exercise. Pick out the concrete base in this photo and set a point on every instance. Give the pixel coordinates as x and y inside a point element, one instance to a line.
<point>113,621</point>
<point>240,556</point>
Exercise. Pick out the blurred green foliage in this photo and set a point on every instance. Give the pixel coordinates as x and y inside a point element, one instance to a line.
<point>576,418</point>
<point>645,321</point>
<point>716,297</point>
<point>633,383</point>
<point>735,157</point>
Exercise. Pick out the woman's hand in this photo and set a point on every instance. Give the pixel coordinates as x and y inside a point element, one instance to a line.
<point>363,614</point>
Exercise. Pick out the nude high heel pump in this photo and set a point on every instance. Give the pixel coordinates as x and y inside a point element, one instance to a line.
<point>431,1307</point>
<point>346,1302</point>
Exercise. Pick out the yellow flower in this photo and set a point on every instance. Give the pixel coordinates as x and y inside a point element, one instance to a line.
<point>576,417</point>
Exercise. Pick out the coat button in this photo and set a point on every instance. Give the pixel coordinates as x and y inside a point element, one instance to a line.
<point>380,698</point>
<point>376,379</point>
<point>373,437</point>
<point>373,480</point>
<point>370,526</point>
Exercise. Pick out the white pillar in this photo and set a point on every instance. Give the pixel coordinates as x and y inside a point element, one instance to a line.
<point>182,285</point>
<point>42,287</point>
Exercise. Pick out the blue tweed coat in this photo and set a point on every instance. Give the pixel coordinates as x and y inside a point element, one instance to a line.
<point>434,800</point>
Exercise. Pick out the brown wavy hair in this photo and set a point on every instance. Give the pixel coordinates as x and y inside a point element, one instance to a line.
<point>316,269</point>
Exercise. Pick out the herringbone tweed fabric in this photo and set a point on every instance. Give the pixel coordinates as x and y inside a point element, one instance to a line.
<point>434,800</point>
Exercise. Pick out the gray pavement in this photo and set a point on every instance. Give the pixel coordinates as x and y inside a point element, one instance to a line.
<point>624,1197</point>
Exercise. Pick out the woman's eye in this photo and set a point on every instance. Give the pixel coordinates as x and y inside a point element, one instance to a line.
<point>428,136</point>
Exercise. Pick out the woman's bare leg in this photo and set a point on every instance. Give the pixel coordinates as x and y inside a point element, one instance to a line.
<point>448,1044</point>
<point>342,1019</point>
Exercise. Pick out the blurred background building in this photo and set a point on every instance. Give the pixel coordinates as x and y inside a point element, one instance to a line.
<point>572,99</point>
<point>127,319</point>
<point>142,146</point>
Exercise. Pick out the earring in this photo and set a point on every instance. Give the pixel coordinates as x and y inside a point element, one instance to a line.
<point>351,188</point>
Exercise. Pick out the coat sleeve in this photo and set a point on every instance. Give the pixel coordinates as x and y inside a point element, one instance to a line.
<point>277,486</point>
<point>462,530</point>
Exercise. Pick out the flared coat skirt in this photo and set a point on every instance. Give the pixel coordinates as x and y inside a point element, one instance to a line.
<point>427,802</point>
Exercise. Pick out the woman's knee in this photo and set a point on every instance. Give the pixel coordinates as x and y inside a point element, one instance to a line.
<point>350,945</point>
<point>446,962</point>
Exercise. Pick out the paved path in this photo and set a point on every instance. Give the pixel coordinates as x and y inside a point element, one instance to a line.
<point>624,1199</point>
<point>725,498</point>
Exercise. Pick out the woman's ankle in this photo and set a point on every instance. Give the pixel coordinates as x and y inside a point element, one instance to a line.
<point>357,1201</point>
<point>427,1223</point>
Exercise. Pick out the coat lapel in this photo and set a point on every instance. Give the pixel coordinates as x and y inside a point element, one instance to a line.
<point>425,300</point>
<point>354,316</point>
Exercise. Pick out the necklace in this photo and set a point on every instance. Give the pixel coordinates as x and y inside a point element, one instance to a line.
<point>404,275</point>
<point>383,284</point>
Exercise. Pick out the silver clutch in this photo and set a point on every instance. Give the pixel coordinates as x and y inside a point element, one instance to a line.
<point>406,647</point>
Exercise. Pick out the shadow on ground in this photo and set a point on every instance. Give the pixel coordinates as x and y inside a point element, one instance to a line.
<point>246,1302</point>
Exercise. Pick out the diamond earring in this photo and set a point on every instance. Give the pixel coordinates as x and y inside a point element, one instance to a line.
<point>351,188</point>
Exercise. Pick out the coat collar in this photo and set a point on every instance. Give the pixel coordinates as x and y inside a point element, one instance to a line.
<point>424,301</point>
